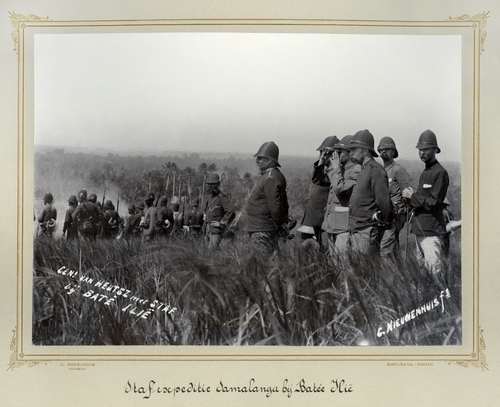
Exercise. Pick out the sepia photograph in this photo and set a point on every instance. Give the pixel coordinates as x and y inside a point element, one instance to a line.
<point>247,189</point>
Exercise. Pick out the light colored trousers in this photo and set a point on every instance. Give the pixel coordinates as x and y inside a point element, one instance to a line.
<point>430,253</point>
<point>337,243</point>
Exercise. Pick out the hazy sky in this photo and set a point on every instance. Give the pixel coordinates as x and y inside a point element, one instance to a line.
<point>229,92</point>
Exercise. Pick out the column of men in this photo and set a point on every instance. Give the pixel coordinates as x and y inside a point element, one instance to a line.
<point>153,218</point>
<point>362,206</point>
<point>358,204</point>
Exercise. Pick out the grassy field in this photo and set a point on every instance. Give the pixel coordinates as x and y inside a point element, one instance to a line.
<point>301,297</point>
<point>231,297</point>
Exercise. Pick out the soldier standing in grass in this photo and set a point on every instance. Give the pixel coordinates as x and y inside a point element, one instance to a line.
<point>99,223</point>
<point>70,228</point>
<point>399,180</point>
<point>314,211</point>
<point>217,212</point>
<point>267,207</point>
<point>165,217</point>
<point>111,221</point>
<point>132,221</point>
<point>48,216</point>
<point>86,217</point>
<point>194,220</point>
<point>429,224</point>
<point>343,174</point>
<point>370,207</point>
<point>149,222</point>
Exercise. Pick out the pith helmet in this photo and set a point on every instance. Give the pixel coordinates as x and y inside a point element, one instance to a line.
<point>108,205</point>
<point>344,143</point>
<point>93,198</point>
<point>386,143</point>
<point>328,143</point>
<point>270,150</point>
<point>72,200</point>
<point>82,195</point>
<point>48,198</point>
<point>363,139</point>
<point>428,140</point>
<point>212,178</point>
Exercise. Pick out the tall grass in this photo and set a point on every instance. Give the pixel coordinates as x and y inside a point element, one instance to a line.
<point>232,297</point>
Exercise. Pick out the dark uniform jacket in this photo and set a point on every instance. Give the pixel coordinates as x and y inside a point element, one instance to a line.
<point>399,180</point>
<point>267,206</point>
<point>87,217</point>
<point>150,222</point>
<point>110,224</point>
<point>131,226</point>
<point>218,209</point>
<point>370,195</point>
<point>70,227</point>
<point>314,211</point>
<point>342,181</point>
<point>428,200</point>
<point>164,220</point>
<point>49,213</point>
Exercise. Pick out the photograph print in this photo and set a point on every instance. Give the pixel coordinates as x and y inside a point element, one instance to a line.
<point>237,188</point>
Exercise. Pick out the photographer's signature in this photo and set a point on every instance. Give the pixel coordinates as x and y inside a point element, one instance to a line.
<point>415,313</point>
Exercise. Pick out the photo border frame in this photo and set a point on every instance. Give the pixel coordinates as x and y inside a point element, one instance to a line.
<point>19,357</point>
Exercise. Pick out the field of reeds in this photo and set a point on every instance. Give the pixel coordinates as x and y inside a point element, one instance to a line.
<point>232,297</point>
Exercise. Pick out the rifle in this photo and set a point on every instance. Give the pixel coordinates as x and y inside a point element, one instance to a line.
<point>202,206</point>
<point>409,218</point>
<point>103,196</point>
<point>117,203</point>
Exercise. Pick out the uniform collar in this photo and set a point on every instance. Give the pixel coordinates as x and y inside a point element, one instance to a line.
<point>268,170</point>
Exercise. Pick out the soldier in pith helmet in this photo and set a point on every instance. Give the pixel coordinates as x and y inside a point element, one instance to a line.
<point>343,175</point>
<point>150,219</point>
<point>194,219</point>
<point>92,198</point>
<point>314,211</point>
<point>370,207</point>
<point>86,216</point>
<point>217,211</point>
<point>266,210</point>
<point>165,218</point>
<point>70,229</point>
<point>48,216</point>
<point>131,222</point>
<point>399,179</point>
<point>99,223</point>
<point>429,224</point>
<point>111,221</point>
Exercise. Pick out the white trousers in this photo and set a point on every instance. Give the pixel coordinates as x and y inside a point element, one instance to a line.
<point>430,254</point>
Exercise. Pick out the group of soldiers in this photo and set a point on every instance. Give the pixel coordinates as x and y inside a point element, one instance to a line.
<point>362,206</point>
<point>355,204</point>
<point>151,219</point>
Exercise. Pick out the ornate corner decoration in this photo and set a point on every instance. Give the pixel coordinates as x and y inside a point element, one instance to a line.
<point>481,360</point>
<point>18,21</point>
<point>480,19</point>
<point>14,361</point>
